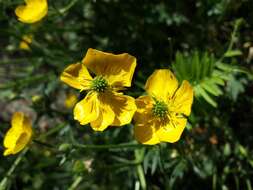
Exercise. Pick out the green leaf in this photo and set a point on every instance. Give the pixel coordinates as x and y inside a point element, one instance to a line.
<point>205,95</point>
<point>224,67</point>
<point>195,68</point>
<point>217,80</point>
<point>211,88</point>
<point>233,53</point>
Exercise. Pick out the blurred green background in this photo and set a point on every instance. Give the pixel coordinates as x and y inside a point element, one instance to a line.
<point>208,42</point>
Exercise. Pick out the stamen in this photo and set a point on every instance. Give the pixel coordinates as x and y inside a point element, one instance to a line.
<point>160,109</point>
<point>99,84</point>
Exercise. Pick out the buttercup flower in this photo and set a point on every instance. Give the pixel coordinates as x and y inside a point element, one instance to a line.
<point>32,12</point>
<point>70,100</point>
<point>26,40</point>
<point>103,105</point>
<point>160,115</point>
<point>19,135</point>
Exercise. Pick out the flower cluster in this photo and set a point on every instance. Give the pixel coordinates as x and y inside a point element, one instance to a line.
<point>159,116</point>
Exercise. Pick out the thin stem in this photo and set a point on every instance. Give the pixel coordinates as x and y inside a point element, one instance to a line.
<point>4,181</point>
<point>52,131</point>
<point>141,177</point>
<point>238,22</point>
<point>237,25</point>
<point>43,144</point>
<point>26,81</point>
<point>214,181</point>
<point>248,183</point>
<point>122,165</point>
<point>139,154</point>
<point>76,183</point>
<point>67,7</point>
<point>109,146</point>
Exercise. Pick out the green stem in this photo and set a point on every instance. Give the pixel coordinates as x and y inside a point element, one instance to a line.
<point>238,23</point>
<point>122,165</point>
<point>109,146</point>
<point>67,7</point>
<point>43,143</point>
<point>214,181</point>
<point>248,183</point>
<point>76,183</point>
<point>24,82</point>
<point>85,146</point>
<point>141,177</point>
<point>52,131</point>
<point>4,181</point>
<point>17,60</point>
<point>139,154</point>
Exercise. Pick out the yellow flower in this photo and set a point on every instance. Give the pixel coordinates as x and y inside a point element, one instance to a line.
<point>26,40</point>
<point>103,105</point>
<point>32,12</point>
<point>160,115</point>
<point>19,135</point>
<point>70,100</point>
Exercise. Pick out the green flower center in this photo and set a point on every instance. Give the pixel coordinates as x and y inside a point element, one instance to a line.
<point>99,84</point>
<point>160,109</point>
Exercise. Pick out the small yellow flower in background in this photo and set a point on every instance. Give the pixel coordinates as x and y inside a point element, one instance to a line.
<point>160,115</point>
<point>19,135</point>
<point>103,105</point>
<point>36,98</point>
<point>26,40</point>
<point>32,12</point>
<point>70,100</point>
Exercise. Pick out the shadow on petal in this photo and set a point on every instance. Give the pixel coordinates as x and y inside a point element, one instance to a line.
<point>123,107</point>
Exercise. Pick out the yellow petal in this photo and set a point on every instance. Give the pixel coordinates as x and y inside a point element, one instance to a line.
<point>23,139</point>
<point>70,100</point>
<point>76,76</point>
<point>11,137</point>
<point>144,127</point>
<point>87,110</point>
<point>172,131</point>
<point>33,11</point>
<point>123,107</point>
<point>145,133</point>
<point>144,107</point>
<point>7,152</point>
<point>19,135</point>
<point>26,40</point>
<point>161,84</point>
<point>118,69</point>
<point>17,120</point>
<point>106,114</point>
<point>183,98</point>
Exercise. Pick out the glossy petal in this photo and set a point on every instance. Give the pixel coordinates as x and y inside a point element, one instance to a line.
<point>19,135</point>
<point>77,76</point>
<point>123,107</point>
<point>161,84</point>
<point>144,127</point>
<point>183,98</point>
<point>106,114</point>
<point>144,106</point>
<point>145,134</point>
<point>172,132</point>
<point>118,70</point>
<point>33,11</point>
<point>87,110</point>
